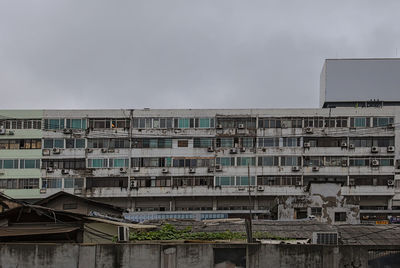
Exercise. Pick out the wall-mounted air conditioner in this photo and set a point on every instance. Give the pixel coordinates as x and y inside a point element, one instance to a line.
<point>164,170</point>
<point>136,169</point>
<point>219,126</point>
<point>104,150</point>
<point>240,126</point>
<point>306,145</point>
<point>295,168</point>
<point>298,183</point>
<point>375,162</point>
<point>49,170</point>
<point>343,144</point>
<point>352,146</point>
<point>64,171</point>
<point>192,170</point>
<point>374,149</point>
<point>390,182</point>
<point>56,151</point>
<point>390,149</point>
<point>2,131</point>
<point>89,150</point>
<point>308,130</point>
<point>210,149</point>
<point>210,170</point>
<point>67,131</point>
<point>233,151</point>
<point>122,170</point>
<point>45,152</point>
<point>260,188</point>
<point>134,184</point>
<point>242,150</point>
<point>315,169</point>
<point>218,168</point>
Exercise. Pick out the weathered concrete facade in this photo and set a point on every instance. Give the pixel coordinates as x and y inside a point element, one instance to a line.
<point>196,255</point>
<point>338,165</point>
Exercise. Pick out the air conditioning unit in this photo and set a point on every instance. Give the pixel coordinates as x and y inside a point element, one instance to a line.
<point>56,151</point>
<point>374,149</point>
<point>375,163</point>
<point>325,238</point>
<point>306,145</point>
<point>260,188</point>
<point>242,150</point>
<point>1,173</point>
<point>111,151</point>
<point>390,149</point>
<point>218,168</point>
<point>219,126</point>
<point>390,182</point>
<point>123,234</point>
<point>122,170</point>
<point>45,152</point>
<point>296,168</point>
<point>2,131</point>
<point>136,169</point>
<point>210,149</point>
<point>192,170</point>
<point>78,191</point>
<point>343,144</point>
<point>164,170</point>
<point>89,150</point>
<point>390,126</point>
<point>241,188</point>
<point>64,171</point>
<point>309,130</point>
<point>315,168</point>
<point>240,126</point>
<point>233,151</point>
<point>352,146</point>
<point>104,150</point>
<point>344,163</point>
<point>133,184</point>
<point>283,125</point>
<point>67,131</point>
<point>210,170</point>
<point>43,190</point>
<point>49,170</point>
<point>298,183</point>
<point>11,133</point>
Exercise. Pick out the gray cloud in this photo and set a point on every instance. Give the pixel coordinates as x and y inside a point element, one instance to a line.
<point>182,54</point>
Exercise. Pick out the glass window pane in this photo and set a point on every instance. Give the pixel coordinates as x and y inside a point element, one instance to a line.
<point>80,143</point>
<point>58,143</point>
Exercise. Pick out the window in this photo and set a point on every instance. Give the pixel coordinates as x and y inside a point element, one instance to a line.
<point>340,216</point>
<point>19,183</point>
<point>247,142</point>
<point>268,161</point>
<point>316,211</point>
<point>206,122</point>
<point>53,143</point>
<point>225,142</point>
<point>97,163</point>
<point>291,142</point>
<point>182,143</point>
<point>76,123</point>
<point>20,144</point>
<point>29,163</point>
<point>118,163</point>
<point>183,122</point>
<point>54,123</point>
<point>74,163</point>
<point>51,183</point>
<point>9,164</point>
<point>225,181</point>
<point>268,142</point>
<point>269,123</point>
<point>382,121</point>
<point>202,142</point>
<point>225,161</point>
<point>290,161</point>
<point>245,161</point>
<point>314,161</point>
<point>359,122</point>
<point>244,180</point>
<point>73,182</point>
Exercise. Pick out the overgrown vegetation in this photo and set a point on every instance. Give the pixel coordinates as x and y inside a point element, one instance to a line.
<point>169,232</point>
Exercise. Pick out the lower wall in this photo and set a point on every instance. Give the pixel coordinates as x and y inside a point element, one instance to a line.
<point>195,255</point>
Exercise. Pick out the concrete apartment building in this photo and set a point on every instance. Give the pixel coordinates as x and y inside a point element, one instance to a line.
<point>338,163</point>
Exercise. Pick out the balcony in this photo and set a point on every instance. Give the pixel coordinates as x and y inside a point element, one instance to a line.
<point>368,190</point>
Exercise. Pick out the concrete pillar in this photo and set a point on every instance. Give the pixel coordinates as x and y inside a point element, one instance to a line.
<point>172,204</point>
<point>255,204</point>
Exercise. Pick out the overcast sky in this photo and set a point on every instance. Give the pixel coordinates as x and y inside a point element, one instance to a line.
<point>183,54</point>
